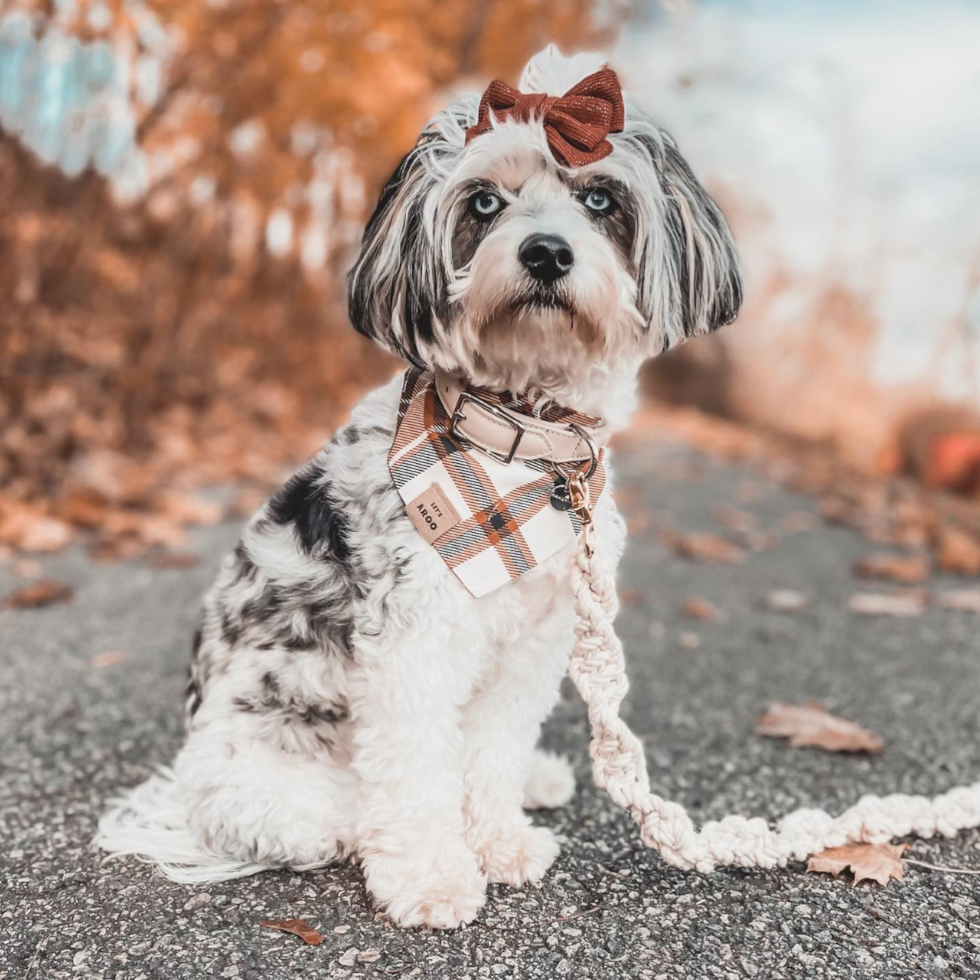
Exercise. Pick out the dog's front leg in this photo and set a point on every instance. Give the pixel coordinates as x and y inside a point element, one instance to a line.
<point>501,726</point>
<point>406,694</point>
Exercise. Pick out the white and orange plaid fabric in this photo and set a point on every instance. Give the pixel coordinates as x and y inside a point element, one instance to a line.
<point>506,522</point>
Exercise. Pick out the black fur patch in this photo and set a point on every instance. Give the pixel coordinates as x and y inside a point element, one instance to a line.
<point>245,569</point>
<point>193,698</point>
<point>320,526</point>
<point>196,644</point>
<point>725,305</point>
<point>619,222</point>
<point>294,710</point>
<point>269,621</point>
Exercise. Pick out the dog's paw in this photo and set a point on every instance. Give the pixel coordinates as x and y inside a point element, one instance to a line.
<point>550,783</point>
<point>518,855</point>
<point>444,894</point>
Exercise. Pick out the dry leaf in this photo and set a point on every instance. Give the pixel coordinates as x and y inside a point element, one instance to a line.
<point>872,862</point>
<point>900,604</point>
<point>811,726</point>
<point>113,548</point>
<point>701,609</point>
<point>962,600</point>
<point>297,927</point>
<point>798,522</point>
<point>45,592</point>
<point>689,641</point>
<point>704,547</point>
<point>109,658</point>
<point>84,507</point>
<point>189,508</point>
<point>907,569</point>
<point>958,552</point>
<point>29,529</point>
<point>629,597</point>
<point>787,601</point>
<point>173,559</point>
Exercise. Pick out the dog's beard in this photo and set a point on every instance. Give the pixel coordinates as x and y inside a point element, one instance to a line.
<point>536,299</point>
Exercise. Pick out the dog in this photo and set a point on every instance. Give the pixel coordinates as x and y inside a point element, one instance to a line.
<point>349,695</point>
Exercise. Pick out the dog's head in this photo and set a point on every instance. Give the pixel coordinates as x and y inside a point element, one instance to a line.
<point>492,258</point>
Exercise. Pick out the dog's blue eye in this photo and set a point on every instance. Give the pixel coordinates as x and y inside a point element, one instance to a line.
<point>598,201</point>
<point>486,204</point>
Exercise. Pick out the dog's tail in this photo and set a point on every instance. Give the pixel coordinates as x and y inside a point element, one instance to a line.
<point>151,823</point>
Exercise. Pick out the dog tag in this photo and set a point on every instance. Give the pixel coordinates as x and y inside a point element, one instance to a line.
<point>432,513</point>
<point>560,497</point>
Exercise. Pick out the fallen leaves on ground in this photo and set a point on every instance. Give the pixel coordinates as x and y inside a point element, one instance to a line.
<point>907,569</point>
<point>958,551</point>
<point>689,641</point>
<point>45,592</point>
<point>108,658</point>
<point>889,509</point>
<point>787,601</point>
<point>812,726</point>
<point>28,528</point>
<point>961,600</point>
<point>700,546</point>
<point>629,596</point>
<point>871,862</point>
<point>897,604</point>
<point>297,927</point>
<point>702,609</point>
<point>173,559</point>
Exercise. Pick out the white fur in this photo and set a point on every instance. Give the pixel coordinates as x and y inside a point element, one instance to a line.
<point>348,696</point>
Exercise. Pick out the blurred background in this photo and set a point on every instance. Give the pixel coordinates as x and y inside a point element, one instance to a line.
<point>183,184</point>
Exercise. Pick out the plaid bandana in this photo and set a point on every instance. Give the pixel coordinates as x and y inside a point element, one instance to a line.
<point>490,521</point>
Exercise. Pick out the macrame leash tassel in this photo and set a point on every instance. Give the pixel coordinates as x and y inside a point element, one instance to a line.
<point>598,670</point>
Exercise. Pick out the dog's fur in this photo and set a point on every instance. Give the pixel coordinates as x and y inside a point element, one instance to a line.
<point>347,696</point>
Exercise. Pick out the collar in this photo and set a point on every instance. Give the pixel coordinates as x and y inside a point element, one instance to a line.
<point>488,519</point>
<point>510,431</point>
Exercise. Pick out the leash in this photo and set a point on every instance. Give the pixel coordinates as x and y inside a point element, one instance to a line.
<point>598,670</point>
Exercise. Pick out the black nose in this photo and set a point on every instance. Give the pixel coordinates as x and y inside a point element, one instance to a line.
<point>546,257</point>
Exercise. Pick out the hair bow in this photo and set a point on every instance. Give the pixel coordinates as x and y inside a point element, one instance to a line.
<point>576,124</point>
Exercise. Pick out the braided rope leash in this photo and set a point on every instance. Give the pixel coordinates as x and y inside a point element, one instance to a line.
<point>598,671</point>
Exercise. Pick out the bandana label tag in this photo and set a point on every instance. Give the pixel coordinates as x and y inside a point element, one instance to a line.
<point>432,513</point>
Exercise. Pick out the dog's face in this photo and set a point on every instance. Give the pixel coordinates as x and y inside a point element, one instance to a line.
<point>493,259</point>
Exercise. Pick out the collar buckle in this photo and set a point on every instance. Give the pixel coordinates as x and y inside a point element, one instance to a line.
<point>459,416</point>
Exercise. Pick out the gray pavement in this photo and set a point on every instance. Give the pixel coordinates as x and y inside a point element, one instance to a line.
<point>72,733</point>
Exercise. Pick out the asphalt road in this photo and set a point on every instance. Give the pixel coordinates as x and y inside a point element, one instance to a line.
<point>73,732</point>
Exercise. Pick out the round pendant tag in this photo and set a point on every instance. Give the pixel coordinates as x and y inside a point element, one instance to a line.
<point>560,497</point>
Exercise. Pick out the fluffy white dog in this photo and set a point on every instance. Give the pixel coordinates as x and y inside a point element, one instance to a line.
<point>348,696</point>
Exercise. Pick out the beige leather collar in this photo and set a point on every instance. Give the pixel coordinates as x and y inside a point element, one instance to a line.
<point>509,434</point>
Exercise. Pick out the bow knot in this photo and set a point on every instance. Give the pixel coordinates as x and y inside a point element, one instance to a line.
<point>576,124</point>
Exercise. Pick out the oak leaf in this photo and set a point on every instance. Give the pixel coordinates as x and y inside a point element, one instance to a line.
<point>297,927</point>
<point>907,569</point>
<point>173,559</point>
<point>962,600</point>
<point>958,552</point>
<point>704,547</point>
<point>787,601</point>
<point>812,726</point>
<point>872,862</point>
<point>45,592</point>
<point>900,604</point>
<point>702,609</point>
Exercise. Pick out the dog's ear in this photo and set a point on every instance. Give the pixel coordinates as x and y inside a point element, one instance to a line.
<point>395,287</point>
<point>696,273</point>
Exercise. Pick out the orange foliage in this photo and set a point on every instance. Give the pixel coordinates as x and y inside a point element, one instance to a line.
<point>162,337</point>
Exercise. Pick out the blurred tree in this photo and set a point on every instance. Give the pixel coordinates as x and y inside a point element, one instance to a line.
<point>169,289</point>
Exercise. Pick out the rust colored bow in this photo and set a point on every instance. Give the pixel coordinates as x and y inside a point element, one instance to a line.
<point>576,123</point>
